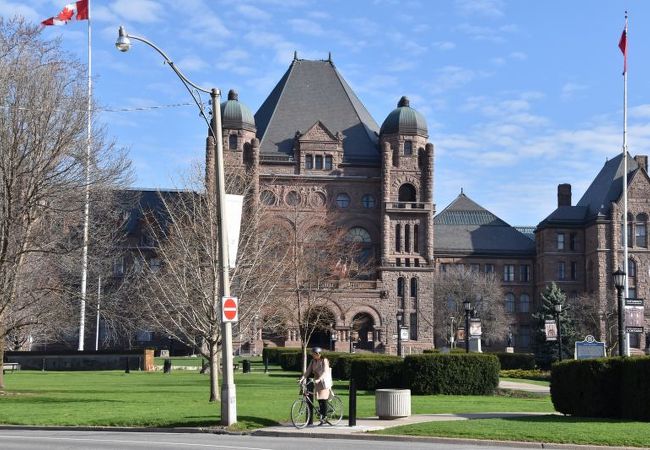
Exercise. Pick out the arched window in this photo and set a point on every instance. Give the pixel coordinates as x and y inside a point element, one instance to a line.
<point>400,287</point>
<point>641,230</point>
<point>414,287</point>
<point>232,142</point>
<point>407,193</point>
<point>422,158</point>
<point>416,238</point>
<point>524,303</point>
<point>408,148</point>
<point>510,302</point>
<point>631,268</point>
<point>343,200</point>
<point>361,237</point>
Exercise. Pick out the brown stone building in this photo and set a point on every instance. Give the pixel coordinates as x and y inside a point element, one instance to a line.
<point>312,146</point>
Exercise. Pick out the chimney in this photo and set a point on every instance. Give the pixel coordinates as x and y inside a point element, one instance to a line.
<point>563,194</point>
<point>642,161</point>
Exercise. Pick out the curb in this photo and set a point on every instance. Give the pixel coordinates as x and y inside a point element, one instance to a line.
<point>438,440</point>
<point>187,430</point>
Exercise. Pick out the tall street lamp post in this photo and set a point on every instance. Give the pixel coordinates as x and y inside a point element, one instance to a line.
<point>399,333</point>
<point>619,284</point>
<point>215,187</point>
<point>558,310</point>
<point>468,310</point>
<point>350,338</point>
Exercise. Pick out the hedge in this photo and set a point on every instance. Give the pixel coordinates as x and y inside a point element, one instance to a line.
<point>512,361</point>
<point>606,387</point>
<point>452,374</point>
<point>272,354</point>
<point>526,374</point>
<point>376,372</point>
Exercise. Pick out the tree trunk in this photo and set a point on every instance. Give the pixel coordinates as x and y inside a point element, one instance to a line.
<point>304,358</point>
<point>2,356</point>
<point>215,395</point>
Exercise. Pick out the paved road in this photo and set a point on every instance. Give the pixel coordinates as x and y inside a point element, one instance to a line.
<point>40,439</point>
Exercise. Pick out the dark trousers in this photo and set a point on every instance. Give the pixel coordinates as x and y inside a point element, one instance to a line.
<point>322,406</point>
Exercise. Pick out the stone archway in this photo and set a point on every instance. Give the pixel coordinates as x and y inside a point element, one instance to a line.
<point>364,327</point>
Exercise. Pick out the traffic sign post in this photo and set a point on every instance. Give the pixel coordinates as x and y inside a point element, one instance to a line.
<point>229,309</point>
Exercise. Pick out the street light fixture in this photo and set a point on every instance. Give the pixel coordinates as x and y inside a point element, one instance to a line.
<point>619,284</point>
<point>216,187</point>
<point>558,311</point>
<point>468,310</point>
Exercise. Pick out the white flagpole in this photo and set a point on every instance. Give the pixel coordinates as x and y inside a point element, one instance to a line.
<point>625,227</point>
<point>84,257</point>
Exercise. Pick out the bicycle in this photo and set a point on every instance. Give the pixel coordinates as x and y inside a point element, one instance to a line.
<point>303,408</point>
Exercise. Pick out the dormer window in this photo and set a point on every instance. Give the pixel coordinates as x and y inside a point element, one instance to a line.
<point>408,148</point>
<point>328,162</point>
<point>309,162</point>
<point>319,162</point>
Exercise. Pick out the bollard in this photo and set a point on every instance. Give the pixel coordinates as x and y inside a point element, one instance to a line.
<point>167,366</point>
<point>43,368</point>
<point>352,412</point>
<point>266,364</point>
<point>246,366</point>
<point>127,369</point>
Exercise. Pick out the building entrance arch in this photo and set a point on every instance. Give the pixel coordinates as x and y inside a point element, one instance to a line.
<point>364,326</point>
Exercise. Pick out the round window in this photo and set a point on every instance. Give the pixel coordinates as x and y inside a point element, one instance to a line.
<point>368,201</point>
<point>343,200</point>
<point>293,198</point>
<point>267,198</point>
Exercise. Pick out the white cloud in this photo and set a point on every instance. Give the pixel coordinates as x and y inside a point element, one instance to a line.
<point>305,26</point>
<point>485,8</point>
<point>490,34</point>
<point>253,12</point>
<point>519,56</point>
<point>192,63</point>
<point>444,45</point>
<point>139,11</point>
<point>640,111</point>
<point>570,89</point>
<point>11,9</point>
<point>452,77</point>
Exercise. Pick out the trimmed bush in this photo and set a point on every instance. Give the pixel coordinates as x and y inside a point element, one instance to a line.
<point>526,374</point>
<point>453,374</point>
<point>273,353</point>
<point>341,363</point>
<point>608,387</point>
<point>512,361</point>
<point>587,388</point>
<point>292,361</point>
<point>376,372</point>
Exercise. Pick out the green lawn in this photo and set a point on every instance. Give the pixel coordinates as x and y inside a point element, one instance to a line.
<point>114,398</point>
<point>556,429</point>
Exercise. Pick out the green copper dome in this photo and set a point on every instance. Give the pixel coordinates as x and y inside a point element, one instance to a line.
<point>404,120</point>
<point>236,115</point>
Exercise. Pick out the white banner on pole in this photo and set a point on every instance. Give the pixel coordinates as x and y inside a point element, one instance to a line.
<point>234,205</point>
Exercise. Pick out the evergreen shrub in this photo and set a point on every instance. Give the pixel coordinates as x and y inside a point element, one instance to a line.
<point>452,374</point>
<point>526,374</point>
<point>377,372</point>
<point>511,361</point>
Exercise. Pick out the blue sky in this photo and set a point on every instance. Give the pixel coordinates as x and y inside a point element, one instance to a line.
<point>519,95</point>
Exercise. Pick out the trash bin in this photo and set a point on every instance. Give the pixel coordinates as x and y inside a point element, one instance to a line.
<point>246,366</point>
<point>167,366</point>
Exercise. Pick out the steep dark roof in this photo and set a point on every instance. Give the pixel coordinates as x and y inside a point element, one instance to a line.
<point>466,227</point>
<point>308,92</point>
<point>607,187</point>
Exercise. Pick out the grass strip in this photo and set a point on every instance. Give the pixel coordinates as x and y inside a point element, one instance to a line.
<point>551,428</point>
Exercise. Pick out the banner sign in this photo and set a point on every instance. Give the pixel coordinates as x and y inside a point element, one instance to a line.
<point>475,327</point>
<point>590,348</point>
<point>550,330</point>
<point>634,322</point>
<point>460,334</point>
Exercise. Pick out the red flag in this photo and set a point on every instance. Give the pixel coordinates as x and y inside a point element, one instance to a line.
<point>622,44</point>
<point>78,10</point>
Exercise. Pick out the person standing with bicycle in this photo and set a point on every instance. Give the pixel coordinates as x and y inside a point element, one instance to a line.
<point>319,367</point>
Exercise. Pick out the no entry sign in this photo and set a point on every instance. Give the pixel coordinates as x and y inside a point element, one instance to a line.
<point>229,309</point>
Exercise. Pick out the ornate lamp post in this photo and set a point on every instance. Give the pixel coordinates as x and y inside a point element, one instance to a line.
<point>558,310</point>
<point>399,333</point>
<point>619,284</point>
<point>467,305</point>
<point>217,188</point>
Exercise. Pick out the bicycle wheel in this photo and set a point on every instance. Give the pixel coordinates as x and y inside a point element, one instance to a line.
<point>334,410</point>
<point>300,413</point>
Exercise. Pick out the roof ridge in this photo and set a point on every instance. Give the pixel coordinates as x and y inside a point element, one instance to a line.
<point>275,107</point>
<point>347,91</point>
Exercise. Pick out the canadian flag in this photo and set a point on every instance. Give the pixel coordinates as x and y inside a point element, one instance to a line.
<point>77,10</point>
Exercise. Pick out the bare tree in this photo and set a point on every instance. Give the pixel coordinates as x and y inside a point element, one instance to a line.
<point>460,283</point>
<point>320,258</point>
<point>43,146</point>
<point>590,319</point>
<point>182,297</point>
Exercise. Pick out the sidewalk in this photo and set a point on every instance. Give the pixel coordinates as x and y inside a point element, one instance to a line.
<point>374,424</point>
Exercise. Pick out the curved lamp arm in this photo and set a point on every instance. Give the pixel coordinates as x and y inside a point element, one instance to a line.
<point>123,44</point>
